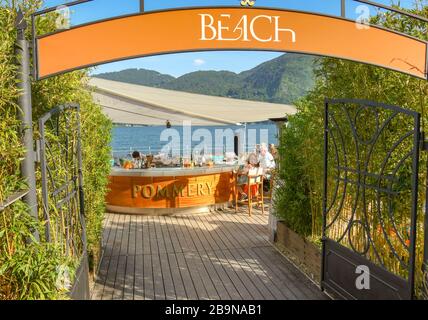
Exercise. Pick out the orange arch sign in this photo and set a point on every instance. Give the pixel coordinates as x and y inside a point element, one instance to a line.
<point>203,29</point>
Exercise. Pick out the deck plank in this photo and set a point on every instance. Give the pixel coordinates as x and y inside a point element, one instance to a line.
<point>237,287</point>
<point>177,278</point>
<point>139,247</point>
<point>212,272</point>
<point>254,278</point>
<point>171,229</point>
<point>262,274</point>
<point>206,280</point>
<point>129,283</point>
<point>195,275</point>
<point>222,255</point>
<point>139,277</point>
<point>167,277</point>
<point>190,287</point>
<point>283,277</point>
<point>146,237</point>
<point>111,278</point>
<point>119,283</point>
<point>149,291</point>
<point>225,278</point>
<point>109,242</point>
<point>166,236</point>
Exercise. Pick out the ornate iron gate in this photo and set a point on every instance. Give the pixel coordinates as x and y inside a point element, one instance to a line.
<point>62,187</point>
<point>370,199</point>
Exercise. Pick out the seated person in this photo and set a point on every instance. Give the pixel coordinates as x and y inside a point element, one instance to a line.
<point>273,151</point>
<point>267,162</point>
<point>242,182</point>
<point>137,160</point>
<point>266,159</point>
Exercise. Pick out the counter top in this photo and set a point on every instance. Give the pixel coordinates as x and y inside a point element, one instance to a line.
<point>172,172</point>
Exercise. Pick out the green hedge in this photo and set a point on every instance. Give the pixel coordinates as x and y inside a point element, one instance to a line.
<point>30,271</point>
<point>299,199</point>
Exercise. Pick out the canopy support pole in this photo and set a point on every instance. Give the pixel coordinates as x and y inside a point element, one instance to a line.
<point>24,85</point>
<point>343,9</point>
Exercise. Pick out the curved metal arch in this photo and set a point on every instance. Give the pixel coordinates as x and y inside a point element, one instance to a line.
<point>405,54</point>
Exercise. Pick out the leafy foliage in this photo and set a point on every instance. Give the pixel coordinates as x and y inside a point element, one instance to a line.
<point>29,269</point>
<point>292,202</point>
<point>302,153</point>
<point>298,201</point>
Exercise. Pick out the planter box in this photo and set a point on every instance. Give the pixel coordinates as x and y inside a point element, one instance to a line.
<point>80,288</point>
<point>302,252</point>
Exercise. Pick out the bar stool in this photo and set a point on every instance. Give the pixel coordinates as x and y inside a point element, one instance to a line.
<point>254,181</point>
<point>273,174</point>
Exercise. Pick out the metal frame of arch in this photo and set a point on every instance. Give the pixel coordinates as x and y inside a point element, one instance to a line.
<point>150,33</point>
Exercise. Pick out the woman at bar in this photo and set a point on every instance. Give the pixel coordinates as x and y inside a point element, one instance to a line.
<point>252,162</point>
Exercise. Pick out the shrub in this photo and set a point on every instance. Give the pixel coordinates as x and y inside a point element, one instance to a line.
<point>299,201</point>
<point>29,270</point>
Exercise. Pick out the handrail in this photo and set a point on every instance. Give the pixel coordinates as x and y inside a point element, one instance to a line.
<point>396,10</point>
<point>74,3</point>
<point>67,4</point>
<point>12,199</point>
<point>142,9</point>
<point>342,6</point>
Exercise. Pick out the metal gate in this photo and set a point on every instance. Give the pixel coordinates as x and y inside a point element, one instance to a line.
<point>62,187</point>
<point>371,162</point>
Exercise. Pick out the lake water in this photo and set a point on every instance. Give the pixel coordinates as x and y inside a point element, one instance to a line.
<point>152,139</point>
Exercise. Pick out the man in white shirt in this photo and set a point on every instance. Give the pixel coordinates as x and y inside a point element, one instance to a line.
<point>266,160</point>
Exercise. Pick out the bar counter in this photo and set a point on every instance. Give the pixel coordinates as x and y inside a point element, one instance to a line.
<point>166,191</point>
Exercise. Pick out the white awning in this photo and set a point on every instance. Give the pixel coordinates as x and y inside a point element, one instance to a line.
<point>140,105</point>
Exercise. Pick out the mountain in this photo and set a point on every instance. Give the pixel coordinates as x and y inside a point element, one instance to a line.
<point>215,83</point>
<point>138,76</point>
<point>283,80</point>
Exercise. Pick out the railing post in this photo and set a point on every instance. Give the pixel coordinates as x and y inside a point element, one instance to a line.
<point>425,244</point>
<point>324,198</point>
<point>22,52</point>
<point>141,5</point>
<point>343,8</point>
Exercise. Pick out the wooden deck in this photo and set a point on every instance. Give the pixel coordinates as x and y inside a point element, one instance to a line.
<point>217,256</point>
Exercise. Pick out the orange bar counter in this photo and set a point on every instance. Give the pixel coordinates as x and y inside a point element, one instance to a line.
<point>166,191</point>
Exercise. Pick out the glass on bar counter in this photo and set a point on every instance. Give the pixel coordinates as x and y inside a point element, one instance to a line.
<point>137,160</point>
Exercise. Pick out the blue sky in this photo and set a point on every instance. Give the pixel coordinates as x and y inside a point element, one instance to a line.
<point>179,64</point>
